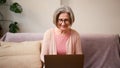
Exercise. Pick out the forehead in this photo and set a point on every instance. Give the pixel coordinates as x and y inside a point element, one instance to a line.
<point>64,15</point>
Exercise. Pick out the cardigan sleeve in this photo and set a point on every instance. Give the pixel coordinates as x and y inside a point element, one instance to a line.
<point>77,42</point>
<point>45,45</point>
<point>78,46</point>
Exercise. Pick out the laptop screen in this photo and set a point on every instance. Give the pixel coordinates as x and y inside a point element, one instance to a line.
<point>64,61</point>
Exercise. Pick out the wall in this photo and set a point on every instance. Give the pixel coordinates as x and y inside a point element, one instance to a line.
<point>36,15</point>
<point>97,16</point>
<point>92,16</point>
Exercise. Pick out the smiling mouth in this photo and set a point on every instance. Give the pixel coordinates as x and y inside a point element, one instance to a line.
<point>64,26</point>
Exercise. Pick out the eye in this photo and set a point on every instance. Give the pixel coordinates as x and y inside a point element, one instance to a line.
<point>66,20</point>
<point>63,20</point>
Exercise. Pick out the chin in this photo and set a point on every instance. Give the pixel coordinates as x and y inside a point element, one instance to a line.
<point>63,29</point>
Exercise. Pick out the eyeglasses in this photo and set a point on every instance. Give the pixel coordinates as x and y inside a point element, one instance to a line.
<point>63,20</point>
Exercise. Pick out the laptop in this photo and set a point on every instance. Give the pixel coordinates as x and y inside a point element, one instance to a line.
<point>64,61</point>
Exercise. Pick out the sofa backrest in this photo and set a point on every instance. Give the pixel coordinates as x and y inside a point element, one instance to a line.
<point>101,50</point>
<point>20,37</point>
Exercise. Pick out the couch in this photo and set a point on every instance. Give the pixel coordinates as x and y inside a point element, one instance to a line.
<point>22,50</point>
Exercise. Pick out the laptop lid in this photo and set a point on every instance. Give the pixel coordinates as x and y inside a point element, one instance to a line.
<point>64,61</point>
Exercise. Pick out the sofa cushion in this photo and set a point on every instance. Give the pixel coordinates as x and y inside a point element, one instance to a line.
<point>20,55</point>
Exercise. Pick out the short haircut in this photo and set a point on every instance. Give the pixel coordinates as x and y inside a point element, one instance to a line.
<point>63,9</point>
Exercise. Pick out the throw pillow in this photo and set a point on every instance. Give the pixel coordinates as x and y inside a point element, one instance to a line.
<point>20,55</point>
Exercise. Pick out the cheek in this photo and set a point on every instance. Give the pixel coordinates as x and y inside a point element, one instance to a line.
<point>57,24</point>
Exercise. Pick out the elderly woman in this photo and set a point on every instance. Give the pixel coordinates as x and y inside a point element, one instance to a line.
<point>62,39</point>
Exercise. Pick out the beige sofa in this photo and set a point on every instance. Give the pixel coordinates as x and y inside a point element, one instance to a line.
<point>22,50</point>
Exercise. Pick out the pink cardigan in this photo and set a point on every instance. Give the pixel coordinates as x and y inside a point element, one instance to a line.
<point>73,45</point>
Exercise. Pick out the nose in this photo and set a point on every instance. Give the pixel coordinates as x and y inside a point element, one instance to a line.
<point>63,23</point>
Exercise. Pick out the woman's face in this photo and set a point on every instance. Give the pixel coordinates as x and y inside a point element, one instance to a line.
<point>63,22</point>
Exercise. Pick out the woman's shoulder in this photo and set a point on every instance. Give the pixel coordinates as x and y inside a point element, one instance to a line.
<point>75,35</point>
<point>74,32</point>
<point>49,31</point>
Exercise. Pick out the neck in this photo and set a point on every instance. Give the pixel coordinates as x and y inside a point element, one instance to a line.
<point>58,31</point>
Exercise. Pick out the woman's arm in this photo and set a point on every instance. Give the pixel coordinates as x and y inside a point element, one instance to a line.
<point>45,45</point>
<point>78,46</point>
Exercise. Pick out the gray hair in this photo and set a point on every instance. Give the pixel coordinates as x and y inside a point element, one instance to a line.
<point>63,9</point>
